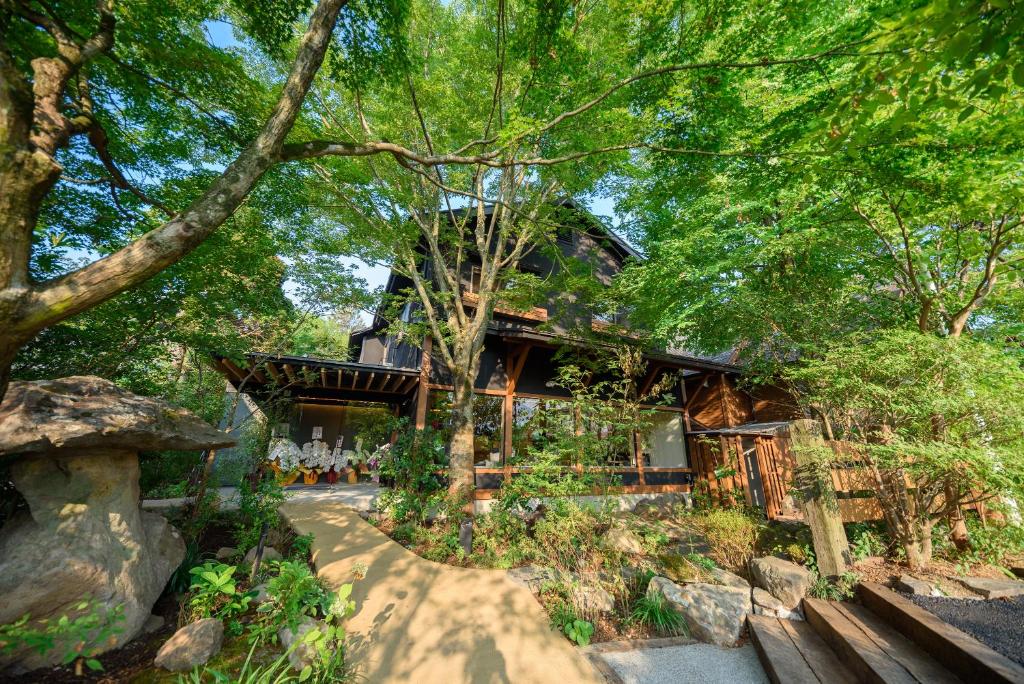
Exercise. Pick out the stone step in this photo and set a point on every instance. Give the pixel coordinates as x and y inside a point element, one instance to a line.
<point>792,653</point>
<point>870,648</point>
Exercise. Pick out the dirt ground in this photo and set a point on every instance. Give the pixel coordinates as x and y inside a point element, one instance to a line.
<point>940,573</point>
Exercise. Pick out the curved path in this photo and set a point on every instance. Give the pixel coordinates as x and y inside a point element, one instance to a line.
<point>425,622</point>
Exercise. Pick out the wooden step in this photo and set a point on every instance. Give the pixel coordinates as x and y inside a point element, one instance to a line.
<point>959,652</point>
<point>872,650</point>
<point>792,653</point>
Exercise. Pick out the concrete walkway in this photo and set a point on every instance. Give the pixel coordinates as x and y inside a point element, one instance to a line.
<point>424,622</point>
<point>361,496</point>
<point>701,663</point>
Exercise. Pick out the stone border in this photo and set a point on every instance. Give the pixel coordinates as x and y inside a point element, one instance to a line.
<point>594,651</point>
<point>637,644</point>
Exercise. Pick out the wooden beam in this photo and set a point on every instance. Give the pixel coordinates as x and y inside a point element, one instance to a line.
<point>408,384</point>
<point>649,380</point>
<point>290,372</point>
<point>323,376</point>
<point>339,378</point>
<point>369,380</point>
<point>273,371</point>
<point>384,382</point>
<point>399,380</point>
<point>355,378</point>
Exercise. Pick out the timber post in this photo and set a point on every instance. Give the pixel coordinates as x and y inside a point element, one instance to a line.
<point>818,500</point>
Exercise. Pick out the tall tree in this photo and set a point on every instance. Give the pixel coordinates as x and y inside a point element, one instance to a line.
<point>506,109</point>
<point>134,90</point>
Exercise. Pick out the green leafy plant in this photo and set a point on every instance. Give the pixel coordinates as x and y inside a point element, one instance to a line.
<point>564,620</point>
<point>651,610</point>
<point>292,594</point>
<point>301,546</point>
<point>840,590</point>
<point>329,665</point>
<point>258,504</point>
<point>214,592</point>
<point>412,468</point>
<point>701,561</point>
<point>76,635</point>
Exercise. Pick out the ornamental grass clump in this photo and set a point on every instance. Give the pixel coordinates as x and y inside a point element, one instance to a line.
<point>731,535</point>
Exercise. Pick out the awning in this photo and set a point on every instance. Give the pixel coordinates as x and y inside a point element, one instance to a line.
<point>307,377</point>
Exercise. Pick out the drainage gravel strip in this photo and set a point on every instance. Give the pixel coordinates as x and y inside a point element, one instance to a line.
<point>998,623</point>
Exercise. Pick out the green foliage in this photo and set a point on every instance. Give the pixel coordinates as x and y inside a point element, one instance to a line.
<point>214,593</point>
<point>293,594</point>
<point>329,666</point>
<point>701,561</point>
<point>502,540</point>
<point>731,535</point>
<point>257,506</point>
<point>412,467</point>
<point>867,539</point>
<point>568,535</point>
<point>576,630</point>
<point>652,611</point>
<point>301,546</point>
<point>841,590</point>
<point>946,414</point>
<point>82,636</point>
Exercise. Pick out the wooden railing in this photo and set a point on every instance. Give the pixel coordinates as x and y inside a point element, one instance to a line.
<point>536,313</point>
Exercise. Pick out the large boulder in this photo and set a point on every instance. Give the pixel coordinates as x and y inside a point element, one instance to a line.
<point>191,645</point>
<point>713,613</point>
<point>71,446</point>
<point>783,579</point>
<point>622,539</point>
<point>533,577</point>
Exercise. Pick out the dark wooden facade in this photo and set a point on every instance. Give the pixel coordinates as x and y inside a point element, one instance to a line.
<point>516,372</point>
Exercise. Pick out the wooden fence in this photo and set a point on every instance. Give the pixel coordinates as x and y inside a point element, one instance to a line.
<point>724,468</point>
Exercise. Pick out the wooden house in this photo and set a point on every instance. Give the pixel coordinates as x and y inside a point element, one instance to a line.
<point>515,392</point>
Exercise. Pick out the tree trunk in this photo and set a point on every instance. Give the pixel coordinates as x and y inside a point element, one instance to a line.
<point>460,468</point>
<point>831,547</point>
<point>918,547</point>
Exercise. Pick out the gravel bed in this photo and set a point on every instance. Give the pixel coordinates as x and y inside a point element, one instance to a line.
<point>998,623</point>
<point>702,663</point>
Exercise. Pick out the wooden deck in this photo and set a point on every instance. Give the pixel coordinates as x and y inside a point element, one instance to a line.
<point>887,640</point>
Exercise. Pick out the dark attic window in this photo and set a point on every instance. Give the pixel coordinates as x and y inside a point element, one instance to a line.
<point>563,236</point>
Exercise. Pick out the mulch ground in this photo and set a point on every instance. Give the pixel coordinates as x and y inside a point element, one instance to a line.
<point>998,623</point>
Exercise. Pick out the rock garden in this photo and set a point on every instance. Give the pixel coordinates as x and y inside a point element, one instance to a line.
<point>668,568</point>
<point>98,589</point>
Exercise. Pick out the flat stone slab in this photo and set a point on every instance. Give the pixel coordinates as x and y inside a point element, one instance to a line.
<point>993,588</point>
<point>912,585</point>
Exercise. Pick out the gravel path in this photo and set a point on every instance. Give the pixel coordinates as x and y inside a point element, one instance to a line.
<point>700,663</point>
<point>999,623</point>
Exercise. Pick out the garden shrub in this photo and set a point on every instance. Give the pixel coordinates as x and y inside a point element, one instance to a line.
<point>292,594</point>
<point>258,504</point>
<point>214,593</point>
<point>413,468</point>
<point>567,535</point>
<point>501,540</point>
<point>731,535</point>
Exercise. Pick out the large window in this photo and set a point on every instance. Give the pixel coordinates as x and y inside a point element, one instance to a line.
<point>487,432</point>
<point>536,423</point>
<point>664,446</point>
